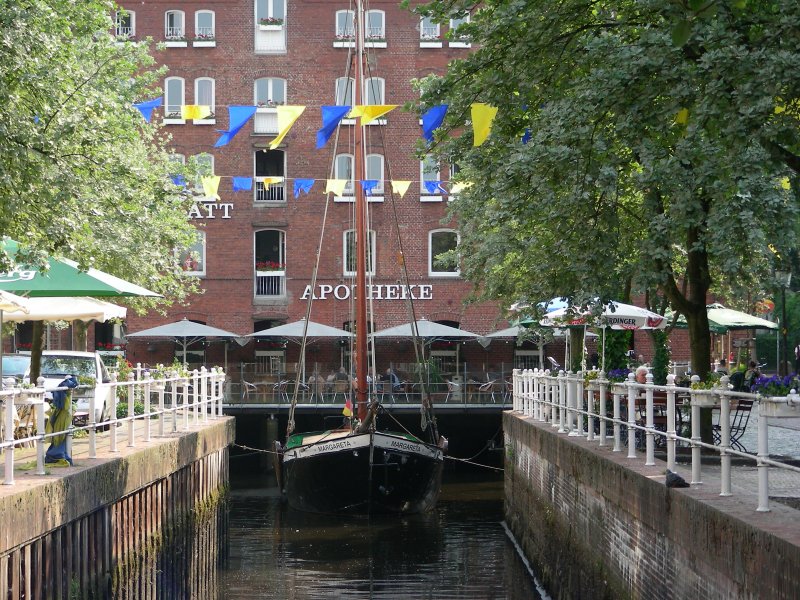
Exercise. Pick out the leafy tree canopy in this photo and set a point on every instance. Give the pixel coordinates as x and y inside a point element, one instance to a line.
<point>663,150</point>
<point>81,173</point>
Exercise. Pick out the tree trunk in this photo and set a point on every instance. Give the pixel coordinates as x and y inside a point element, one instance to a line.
<point>575,349</point>
<point>37,344</point>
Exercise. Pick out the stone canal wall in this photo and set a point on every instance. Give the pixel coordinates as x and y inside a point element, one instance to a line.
<point>598,525</point>
<point>147,524</point>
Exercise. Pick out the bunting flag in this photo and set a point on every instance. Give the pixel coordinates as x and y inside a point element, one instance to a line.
<point>269,180</point>
<point>237,117</point>
<point>786,184</point>
<point>146,108</point>
<point>368,185</point>
<point>211,185</point>
<point>195,112</point>
<point>400,187</point>
<point>460,187</point>
<point>178,180</point>
<point>287,115</point>
<point>482,117</point>
<point>242,184</point>
<point>331,116</point>
<point>434,187</point>
<point>526,137</point>
<point>682,117</point>
<point>302,185</point>
<point>433,119</point>
<point>347,411</point>
<point>370,112</point>
<point>335,186</point>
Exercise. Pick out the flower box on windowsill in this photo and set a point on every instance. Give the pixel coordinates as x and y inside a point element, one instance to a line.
<point>460,44</point>
<point>204,43</point>
<point>209,121</point>
<point>173,121</point>
<point>425,197</point>
<point>270,273</point>
<point>375,43</point>
<point>273,27</point>
<point>176,43</point>
<point>344,43</point>
<point>430,43</point>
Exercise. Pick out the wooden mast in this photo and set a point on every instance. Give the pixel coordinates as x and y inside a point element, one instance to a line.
<point>362,237</point>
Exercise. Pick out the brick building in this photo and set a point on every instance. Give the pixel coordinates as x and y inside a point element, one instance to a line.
<point>257,248</point>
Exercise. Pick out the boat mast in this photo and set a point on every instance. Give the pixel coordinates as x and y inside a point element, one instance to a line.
<point>362,237</point>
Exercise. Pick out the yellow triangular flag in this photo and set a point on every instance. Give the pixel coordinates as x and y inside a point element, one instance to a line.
<point>682,118</point>
<point>203,111</point>
<point>370,112</point>
<point>195,111</point>
<point>211,185</point>
<point>287,115</point>
<point>269,180</point>
<point>460,187</point>
<point>355,112</point>
<point>400,187</point>
<point>482,117</point>
<point>786,184</point>
<point>336,186</point>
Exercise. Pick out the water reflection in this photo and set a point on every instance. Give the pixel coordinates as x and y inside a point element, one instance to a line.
<point>460,550</point>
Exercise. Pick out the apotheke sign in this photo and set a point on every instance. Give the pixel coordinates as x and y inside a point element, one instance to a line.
<point>376,292</point>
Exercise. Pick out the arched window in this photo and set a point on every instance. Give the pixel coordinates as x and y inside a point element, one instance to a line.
<point>174,25</point>
<point>344,24</point>
<point>428,30</point>
<point>458,39</point>
<point>375,90</point>
<point>344,91</point>
<point>349,252</point>
<point>269,90</point>
<point>269,253</point>
<point>174,97</point>
<point>442,253</point>
<point>193,258</point>
<point>204,165</point>
<point>374,170</point>
<point>204,93</point>
<point>376,29</point>
<point>204,25</point>
<point>125,24</point>
<point>343,169</point>
<point>270,9</point>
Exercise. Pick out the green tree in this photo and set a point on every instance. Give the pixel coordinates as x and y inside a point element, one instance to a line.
<point>81,173</point>
<point>662,140</point>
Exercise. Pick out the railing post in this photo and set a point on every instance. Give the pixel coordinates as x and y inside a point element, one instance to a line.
<point>696,449</point>
<point>763,454</point>
<point>671,422</point>
<point>562,402</point>
<point>588,395</point>
<point>601,379</point>
<point>222,378</point>
<point>40,429</point>
<point>196,397</point>
<point>632,391</point>
<point>147,405</point>
<point>112,427</point>
<point>8,406</point>
<point>650,442</point>
<point>577,403</point>
<point>185,381</point>
<point>173,402</point>
<point>724,437</point>
<point>617,418</point>
<point>515,401</point>
<point>204,393</point>
<point>92,427</point>
<point>131,421</point>
<point>160,388</point>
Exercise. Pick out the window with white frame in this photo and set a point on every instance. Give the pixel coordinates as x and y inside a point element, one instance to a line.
<point>376,25</point>
<point>270,91</point>
<point>270,250</point>
<point>125,24</point>
<point>270,9</point>
<point>193,258</point>
<point>174,25</point>
<point>428,30</point>
<point>350,252</point>
<point>374,170</point>
<point>177,158</point>
<point>344,91</point>
<point>429,171</point>
<point>270,163</point>
<point>204,93</point>
<point>204,25</point>
<point>455,36</point>
<point>375,90</point>
<point>343,169</point>
<point>345,28</point>
<point>442,256</point>
<point>174,97</point>
<point>203,165</point>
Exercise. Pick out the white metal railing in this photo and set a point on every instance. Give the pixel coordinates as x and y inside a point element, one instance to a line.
<point>265,121</point>
<point>174,33</point>
<point>270,192</point>
<point>271,284</point>
<point>565,401</point>
<point>179,401</point>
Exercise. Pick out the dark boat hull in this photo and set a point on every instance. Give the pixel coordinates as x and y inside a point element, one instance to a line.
<point>362,474</point>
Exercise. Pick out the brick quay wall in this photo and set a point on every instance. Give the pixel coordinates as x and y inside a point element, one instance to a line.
<point>598,525</point>
<point>147,522</point>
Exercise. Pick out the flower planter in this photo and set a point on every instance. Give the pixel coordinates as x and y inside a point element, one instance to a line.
<point>176,43</point>
<point>344,44</point>
<point>704,400</point>
<point>270,27</point>
<point>769,408</point>
<point>204,43</point>
<point>430,44</point>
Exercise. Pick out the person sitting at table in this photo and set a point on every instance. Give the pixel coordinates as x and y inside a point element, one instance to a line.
<point>751,375</point>
<point>641,374</point>
<point>393,379</point>
<point>721,367</point>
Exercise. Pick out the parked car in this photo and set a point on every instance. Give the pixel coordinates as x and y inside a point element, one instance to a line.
<point>57,365</point>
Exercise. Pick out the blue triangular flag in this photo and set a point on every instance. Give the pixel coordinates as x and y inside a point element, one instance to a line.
<point>331,115</point>
<point>237,117</point>
<point>178,180</point>
<point>434,187</point>
<point>146,108</point>
<point>302,185</point>
<point>432,119</point>
<point>368,185</point>
<point>242,184</point>
<point>526,137</point>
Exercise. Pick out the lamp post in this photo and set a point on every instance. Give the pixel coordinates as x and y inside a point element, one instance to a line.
<point>784,280</point>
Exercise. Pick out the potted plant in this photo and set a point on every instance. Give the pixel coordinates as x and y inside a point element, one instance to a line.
<point>270,23</point>
<point>266,266</point>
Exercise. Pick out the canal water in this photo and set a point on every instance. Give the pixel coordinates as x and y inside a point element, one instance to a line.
<point>459,550</point>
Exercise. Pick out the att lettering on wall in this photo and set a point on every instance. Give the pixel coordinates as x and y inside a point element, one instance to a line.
<point>203,209</point>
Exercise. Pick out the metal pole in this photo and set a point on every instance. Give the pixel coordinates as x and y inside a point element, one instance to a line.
<point>782,369</point>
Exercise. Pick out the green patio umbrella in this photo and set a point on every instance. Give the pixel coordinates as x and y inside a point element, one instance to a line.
<point>64,278</point>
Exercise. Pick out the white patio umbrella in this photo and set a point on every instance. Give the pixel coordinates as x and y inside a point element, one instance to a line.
<point>65,308</point>
<point>9,303</point>
<point>186,332</point>
<point>425,329</point>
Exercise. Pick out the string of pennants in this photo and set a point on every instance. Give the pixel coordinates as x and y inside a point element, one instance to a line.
<point>482,117</point>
